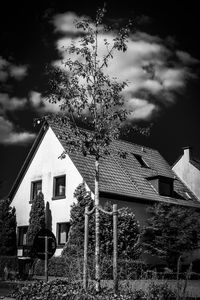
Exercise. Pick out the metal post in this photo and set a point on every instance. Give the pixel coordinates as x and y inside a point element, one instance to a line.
<point>115,279</point>
<point>85,262</point>
<point>46,259</point>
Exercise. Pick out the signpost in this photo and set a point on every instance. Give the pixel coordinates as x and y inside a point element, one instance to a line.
<point>44,246</point>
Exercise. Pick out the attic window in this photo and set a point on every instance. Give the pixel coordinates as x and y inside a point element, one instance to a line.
<point>165,188</point>
<point>162,184</point>
<point>141,161</point>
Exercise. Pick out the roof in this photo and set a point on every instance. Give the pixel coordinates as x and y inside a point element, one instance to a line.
<point>121,176</point>
<point>195,162</point>
<point>125,176</point>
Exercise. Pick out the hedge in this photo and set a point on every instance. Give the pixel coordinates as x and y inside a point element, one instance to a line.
<point>10,261</point>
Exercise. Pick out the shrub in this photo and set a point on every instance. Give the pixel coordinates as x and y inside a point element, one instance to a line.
<point>10,261</point>
<point>128,229</point>
<point>8,239</point>
<point>37,218</point>
<point>62,289</point>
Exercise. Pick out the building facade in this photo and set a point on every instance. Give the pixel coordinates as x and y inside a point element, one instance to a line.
<point>137,181</point>
<point>187,168</point>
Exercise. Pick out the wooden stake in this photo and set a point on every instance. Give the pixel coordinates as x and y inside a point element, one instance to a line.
<point>85,262</point>
<point>115,278</point>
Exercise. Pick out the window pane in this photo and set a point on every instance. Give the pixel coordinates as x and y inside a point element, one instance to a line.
<point>165,188</point>
<point>63,230</point>
<point>141,160</point>
<point>60,186</point>
<point>36,188</point>
<point>22,235</point>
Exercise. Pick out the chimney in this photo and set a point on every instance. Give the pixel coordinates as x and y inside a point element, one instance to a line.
<point>187,151</point>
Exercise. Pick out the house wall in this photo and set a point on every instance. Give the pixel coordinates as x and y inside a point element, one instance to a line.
<point>44,166</point>
<point>188,173</point>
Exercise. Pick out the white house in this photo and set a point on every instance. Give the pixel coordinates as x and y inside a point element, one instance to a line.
<point>187,167</point>
<point>141,179</point>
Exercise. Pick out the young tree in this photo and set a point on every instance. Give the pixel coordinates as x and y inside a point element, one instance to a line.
<point>88,96</point>
<point>172,231</point>
<point>128,229</point>
<point>8,240</point>
<point>37,218</point>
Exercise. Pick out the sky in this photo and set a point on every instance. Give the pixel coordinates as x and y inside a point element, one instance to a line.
<point>162,67</point>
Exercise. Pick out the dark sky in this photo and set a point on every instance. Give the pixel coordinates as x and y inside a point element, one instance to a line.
<point>28,43</point>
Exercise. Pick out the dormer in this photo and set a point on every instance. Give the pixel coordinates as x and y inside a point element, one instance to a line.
<point>162,184</point>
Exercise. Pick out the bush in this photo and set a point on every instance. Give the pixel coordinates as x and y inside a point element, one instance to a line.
<point>62,289</point>
<point>57,266</point>
<point>10,261</point>
<point>72,268</point>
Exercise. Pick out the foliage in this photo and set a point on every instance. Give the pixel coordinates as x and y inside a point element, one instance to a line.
<point>8,239</point>
<point>37,218</point>
<point>10,261</point>
<point>71,268</point>
<point>62,289</point>
<point>87,96</point>
<point>172,230</point>
<point>128,229</point>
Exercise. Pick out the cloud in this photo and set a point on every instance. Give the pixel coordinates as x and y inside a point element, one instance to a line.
<point>141,109</point>
<point>18,72</point>
<point>41,104</point>
<point>155,71</point>
<point>10,136</point>
<point>10,104</point>
<point>10,70</point>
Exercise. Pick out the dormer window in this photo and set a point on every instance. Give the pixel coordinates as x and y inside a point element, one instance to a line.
<point>162,184</point>
<point>141,161</point>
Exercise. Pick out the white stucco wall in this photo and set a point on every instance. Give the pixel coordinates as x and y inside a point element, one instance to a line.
<point>44,166</point>
<point>188,173</point>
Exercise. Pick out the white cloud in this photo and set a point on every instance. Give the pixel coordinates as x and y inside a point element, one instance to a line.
<point>8,69</point>
<point>10,136</point>
<point>10,104</point>
<point>41,104</point>
<point>18,72</point>
<point>141,109</point>
<point>151,67</point>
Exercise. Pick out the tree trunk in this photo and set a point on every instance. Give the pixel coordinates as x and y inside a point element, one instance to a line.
<point>97,220</point>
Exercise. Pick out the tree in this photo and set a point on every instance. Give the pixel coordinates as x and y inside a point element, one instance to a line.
<point>128,229</point>
<point>8,240</point>
<point>172,230</point>
<point>88,96</point>
<point>36,219</point>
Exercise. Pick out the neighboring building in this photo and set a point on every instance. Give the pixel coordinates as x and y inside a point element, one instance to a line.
<point>137,181</point>
<point>187,169</point>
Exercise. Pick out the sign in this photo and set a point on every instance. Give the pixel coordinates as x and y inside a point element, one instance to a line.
<point>39,243</point>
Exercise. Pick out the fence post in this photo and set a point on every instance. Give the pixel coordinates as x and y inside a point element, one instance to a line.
<point>115,279</point>
<point>85,261</point>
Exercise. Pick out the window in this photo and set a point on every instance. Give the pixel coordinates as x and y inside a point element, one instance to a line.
<point>165,188</point>
<point>141,161</point>
<point>162,184</point>
<point>36,188</point>
<point>59,187</point>
<point>62,232</point>
<point>22,232</point>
